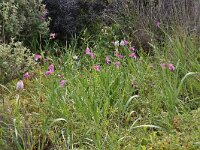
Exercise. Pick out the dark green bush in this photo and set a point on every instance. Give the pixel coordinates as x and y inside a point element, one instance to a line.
<point>70,17</point>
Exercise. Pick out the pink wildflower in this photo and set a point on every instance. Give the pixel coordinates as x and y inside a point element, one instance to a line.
<point>47,73</point>
<point>27,75</point>
<point>62,83</point>
<point>124,42</point>
<point>133,55</point>
<point>52,36</point>
<point>87,51</point>
<point>92,55</point>
<point>107,60</point>
<point>132,48</point>
<point>118,55</point>
<point>37,57</point>
<point>117,64</point>
<point>20,85</point>
<point>171,67</point>
<point>158,24</point>
<point>51,68</point>
<point>97,68</point>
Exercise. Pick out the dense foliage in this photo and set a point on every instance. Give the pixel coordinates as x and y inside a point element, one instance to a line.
<point>23,20</point>
<point>69,17</point>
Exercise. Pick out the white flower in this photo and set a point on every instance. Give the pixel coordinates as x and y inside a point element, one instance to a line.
<point>20,85</point>
<point>123,43</point>
<point>75,57</point>
<point>116,43</point>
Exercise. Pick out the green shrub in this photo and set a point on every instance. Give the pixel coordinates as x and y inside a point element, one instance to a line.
<point>23,20</point>
<point>14,60</point>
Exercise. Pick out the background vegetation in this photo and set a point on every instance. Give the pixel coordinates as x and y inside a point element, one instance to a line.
<point>115,74</point>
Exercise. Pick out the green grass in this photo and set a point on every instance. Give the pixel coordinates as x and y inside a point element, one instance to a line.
<point>138,106</point>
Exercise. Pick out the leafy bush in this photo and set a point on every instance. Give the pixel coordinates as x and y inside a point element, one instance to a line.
<point>24,20</point>
<point>14,59</point>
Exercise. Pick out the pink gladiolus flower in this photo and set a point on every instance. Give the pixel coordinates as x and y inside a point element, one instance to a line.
<point>52,36</point>
<point>132,48</point>
<point>158,24</point>
<point>37,57</point>
<point>27,75</point>
<point>20,85</point>
<point>133,55</point>
<point>88,51</point>
<point>92,55</point>
<point>47,73</point>
<point>107,60</point>
<point>171,67</point>
<point>126,42</point>
<point>118,55</point>
<point>62,83</point>
<point>117,64</point>
<point>51,68</point>
<point>97,68</point>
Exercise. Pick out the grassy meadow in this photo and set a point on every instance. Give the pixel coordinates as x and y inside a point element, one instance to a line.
<point>139,103</point>
<point>105,93</point>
